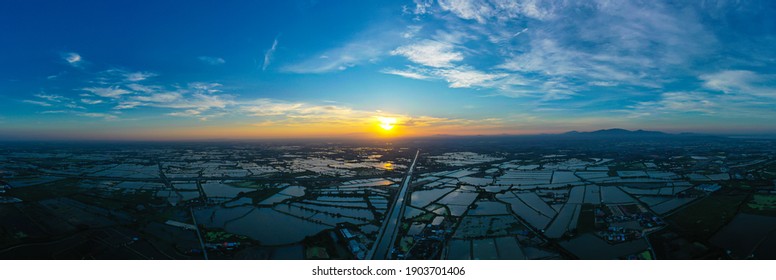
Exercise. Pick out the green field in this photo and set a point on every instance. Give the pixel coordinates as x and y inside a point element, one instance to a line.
<point>762,204</point>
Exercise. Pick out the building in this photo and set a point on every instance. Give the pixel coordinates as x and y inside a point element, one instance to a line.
<point>346,234</point>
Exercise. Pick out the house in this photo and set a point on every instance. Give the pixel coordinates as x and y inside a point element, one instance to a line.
<point>346,234</point>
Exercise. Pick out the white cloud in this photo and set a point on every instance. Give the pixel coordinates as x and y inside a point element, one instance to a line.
<point>406,74</point>
<point>721,105</point>
<point>202,97</point>
<point>143,88</point>
<point>55,112</point>
<point>205,87</point>
<point>212,60</point>
<point>456,77</point>
<point>423,6</point>
<point>502,10</point>
<point>107,117</point>
<point>268,55</point>
<point>339,59</point>
<point>430,53</point>
<point>506,84</point>
<point>465,78</point>
<point>741,82</point>
<point>367,47</point>
<point>39,103</point>
<point>198,101</point>
<point>91,101</point>
<point>110,92</point>
<point>412,31</point>
<point>52,97</point>
<point>676,103</point>
<point>73,59</point>
<point>187,113</point>
<point>478,10</point>
<point>603,83</point>
<point>73,105</point>
<point>267,107</point>
<point>56,76</point>
<point>138,76</point>
<point>127,105</point>
<point>161,97</point>
<point>618,44</point>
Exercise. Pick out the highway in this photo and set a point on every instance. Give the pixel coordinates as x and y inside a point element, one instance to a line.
<point>389,231</point>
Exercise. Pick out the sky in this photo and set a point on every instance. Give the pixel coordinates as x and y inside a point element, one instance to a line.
<point>166,70</point>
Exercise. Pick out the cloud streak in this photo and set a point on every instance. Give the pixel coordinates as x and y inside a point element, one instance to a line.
<point>268,55</point>
<point>109,92</point>
<point>74,59</point>
<point>211,60</point>
<point>430,53</point>
<point>36,102</point>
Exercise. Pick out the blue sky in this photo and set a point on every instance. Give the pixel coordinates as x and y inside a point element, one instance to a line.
<point>255,69</point>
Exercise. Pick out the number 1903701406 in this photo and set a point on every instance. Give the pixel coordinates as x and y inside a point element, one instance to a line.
<point>435,270</point>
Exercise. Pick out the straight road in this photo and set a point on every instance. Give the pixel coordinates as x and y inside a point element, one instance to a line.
<point>389,231</point>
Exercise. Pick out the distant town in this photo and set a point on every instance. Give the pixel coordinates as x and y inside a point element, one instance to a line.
<point>610,194</point>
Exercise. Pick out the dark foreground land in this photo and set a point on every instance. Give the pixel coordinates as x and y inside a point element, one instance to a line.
<point>602,195</point>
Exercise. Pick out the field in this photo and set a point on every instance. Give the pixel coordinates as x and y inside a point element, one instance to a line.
<point>702,219</point>
<point>762,204</point>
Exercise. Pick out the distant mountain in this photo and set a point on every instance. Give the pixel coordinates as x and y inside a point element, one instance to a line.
<point>603,134</point>
<point>618,132</point>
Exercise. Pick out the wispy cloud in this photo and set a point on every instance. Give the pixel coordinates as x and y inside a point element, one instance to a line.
<point>677,102</point>
<point>464,78</point>
<point>123,105</point>
<point>366,47</point>
<point>337,59</point>
<point>430,53</point>
<point>55,112</point>
<point>456,77</point>
<point>110,92</point>
<point>36,102</point>
<point>107,117</point>
<point>268,55</point>
<point>741,82</point>
<point>501,10</point>
<point>407,74</point>
<point>139,76</point>
<point>51,97</point>
<point>91,101</point>
<point>631,47</point>
<point>143,88</point>
<point>55,101</point>
<point>211,60</point>
<point>421,7</point>
<point>74,59</point>
<point>187,113</point>
<point>716,105</point>
<point>56,76</point>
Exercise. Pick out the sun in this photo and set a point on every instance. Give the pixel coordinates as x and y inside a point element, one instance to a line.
<point>387,123</point>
